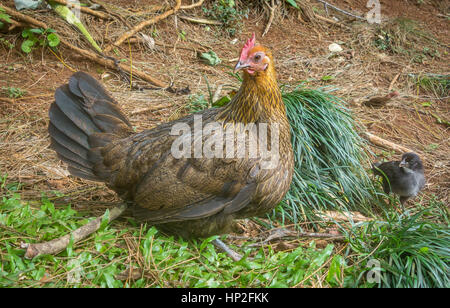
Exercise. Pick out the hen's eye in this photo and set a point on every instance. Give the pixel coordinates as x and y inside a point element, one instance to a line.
<point>257,58</point>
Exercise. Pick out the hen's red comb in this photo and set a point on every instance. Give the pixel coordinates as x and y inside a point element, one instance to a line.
<point>249,45</point>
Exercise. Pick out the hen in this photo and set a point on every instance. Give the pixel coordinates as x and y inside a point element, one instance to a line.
<point>404,178</point>
<point>195,183</point>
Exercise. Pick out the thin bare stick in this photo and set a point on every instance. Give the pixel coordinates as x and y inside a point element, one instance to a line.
<point>191,6</point>
<point>320,17</point>
<point>221,245</point>
<point>272,9</point>
<point>57,245</point>
<point>340,10</point>
<point>142,25</point>
<point>200,20</point>
<point>394,80</point>
<point>109,9</point>
<point>386,144</point>
<point>285,233</point>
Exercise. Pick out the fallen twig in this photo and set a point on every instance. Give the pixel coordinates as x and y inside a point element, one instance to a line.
<point>128,34</point>
<point>107,8</point>
<point>386,144</point>
<point>193,5</point>
<point>394,80</point>
<point>221,245</point>
<point>272,7</point>
<point>7,100</point>
<point>152,108</point>
<point>57,245</point>
<point>320,17</point>
<point>200,20</point>
<point>108,62</point>
<point>284,233</point>
<point>343,216</point>
<point>326,4</point>
<point>113,65</point>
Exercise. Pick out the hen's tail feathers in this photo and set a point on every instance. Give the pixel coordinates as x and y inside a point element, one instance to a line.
<point>84,117</point>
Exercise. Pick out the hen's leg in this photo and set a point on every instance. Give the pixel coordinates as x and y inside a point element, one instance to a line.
<point>221,245</point>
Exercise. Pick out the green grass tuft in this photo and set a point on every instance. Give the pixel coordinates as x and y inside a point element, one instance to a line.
<point>329,158</point>
<point>412,252</point>
<point>407,37</point>
<point>160,261</point>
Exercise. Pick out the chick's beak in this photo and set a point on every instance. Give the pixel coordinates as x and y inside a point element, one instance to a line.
<point>240,65</point>
<point>403,164</point>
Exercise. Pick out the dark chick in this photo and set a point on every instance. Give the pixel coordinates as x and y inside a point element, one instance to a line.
<point>404,178</point>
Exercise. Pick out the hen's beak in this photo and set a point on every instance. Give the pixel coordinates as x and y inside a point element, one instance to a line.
<point>240,65</point>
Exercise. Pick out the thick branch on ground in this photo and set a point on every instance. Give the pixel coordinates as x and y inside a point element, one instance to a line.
<point>57,245</point>
<point>386,144</point>
<point>27,19</point>
<point>86,53</point>
<point>110,64</point>
<point>142,25</point>
<point>83,9</point>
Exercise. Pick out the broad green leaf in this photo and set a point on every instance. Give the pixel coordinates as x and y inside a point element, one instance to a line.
<point>27,46</point>
<point>70,17</point>
<point>53,40</point>
<point>327,77</point>
<point>293,3</point>
<point>211,58</point>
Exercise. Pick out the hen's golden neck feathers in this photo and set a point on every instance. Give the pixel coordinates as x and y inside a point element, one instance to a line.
<point>258,99</point>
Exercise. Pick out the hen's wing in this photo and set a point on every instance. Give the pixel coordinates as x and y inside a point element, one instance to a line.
<point>143,169</point>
